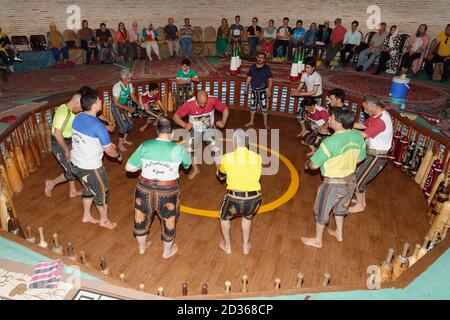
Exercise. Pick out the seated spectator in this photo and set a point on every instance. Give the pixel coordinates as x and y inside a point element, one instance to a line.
<point>390,52</point>
<point>269,36</point>
<point>152,107</point>
<point>172,38</point>
<point>368,56</point>
<point>324,33</point>
<point>281,45</point>
<point>297,36</point>
<point>309,42</point>
<point>223,36</point>
<point>185,77</point>
<point>440,52</point>
<point>56,43</point>
<point>336,41</point>
<point>7,52</point>
<point>236,32</point>
<point>150,36</point>
<point>104,41</point>
<point>416,46</point>
<point>186,34</point>
<point>137,42</point>
<point>351,42</point>
<point>87,41</point>
<point>316,123</point>
<point>123,43</point>
<point>253,37</point>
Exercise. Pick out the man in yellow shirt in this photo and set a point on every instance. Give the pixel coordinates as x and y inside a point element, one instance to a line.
<point>440,52</point>
<point>242,170</point>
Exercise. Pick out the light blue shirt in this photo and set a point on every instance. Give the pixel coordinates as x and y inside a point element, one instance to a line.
<point>353,38</point>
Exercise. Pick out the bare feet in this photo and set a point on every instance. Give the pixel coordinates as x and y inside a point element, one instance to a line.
<point>356,209</point>
<point>90,219</point>
<point>74,194</point>
<point>301,134</point>
<point>147,244</point>
<point>312,242</point>
<point>335,234</point>
<point>172,252</point>
<point>48,188</point>
<point>193,174</point>
<point>108,224</point>
<point>247,248</point>
<point>127,142</point>
<point>121,148</point>
<point>225,248</point>
<point>250,124</point>
<point>142,129</point>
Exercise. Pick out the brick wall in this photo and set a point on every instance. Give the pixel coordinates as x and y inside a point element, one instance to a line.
<point>33,16</point>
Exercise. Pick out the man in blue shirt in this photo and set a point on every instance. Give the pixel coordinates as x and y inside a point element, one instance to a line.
<point>90,139</point>
<point>259,77</point>
<point>297,36</point>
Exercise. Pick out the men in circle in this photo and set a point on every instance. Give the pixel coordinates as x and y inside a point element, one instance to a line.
<point>157,191</point>
<point>201,125</point>
<point>260,79</point>
<point>379,133</point>
<point>336,157</point>
<point>122,92</point>
<point>336,99</point>
<point>242,170</point>
<point>90,139</point>
<point>62,144</point>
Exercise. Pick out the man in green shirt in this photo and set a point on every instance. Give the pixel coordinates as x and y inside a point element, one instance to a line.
<point>185,77</point>
<point>157,191</point>
<point>337,158</point>
<point>62,144</point>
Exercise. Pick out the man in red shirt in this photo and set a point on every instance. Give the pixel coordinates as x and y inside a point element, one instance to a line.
<point>201,126</point>
<point>336,41</point>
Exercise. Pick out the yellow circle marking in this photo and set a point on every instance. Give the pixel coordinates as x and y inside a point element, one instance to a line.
<point>290,192</point>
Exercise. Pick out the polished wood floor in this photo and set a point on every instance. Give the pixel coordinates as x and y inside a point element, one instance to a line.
<point>396,213</point>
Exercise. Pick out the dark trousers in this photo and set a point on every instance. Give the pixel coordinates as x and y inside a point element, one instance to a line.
<point>345,59</point>
<point>89,51</point>
<point>408,59</point>
<point>57,53</point>
<point>384,58</point>
<point>281,43</point>
<point>7,59</point>
<point>331,52</point>
<point>252,42</point>
<point>437,58</point>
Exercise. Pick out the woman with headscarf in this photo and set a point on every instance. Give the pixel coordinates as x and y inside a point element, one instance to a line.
<point>56,43</point>
<point>417,46</point>
<point>123,42</point>
<point>223,35</point>
<point>309,42</point>
<point>390,52</point>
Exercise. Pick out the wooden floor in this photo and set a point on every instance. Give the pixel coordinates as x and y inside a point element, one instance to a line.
<point>396,213</point>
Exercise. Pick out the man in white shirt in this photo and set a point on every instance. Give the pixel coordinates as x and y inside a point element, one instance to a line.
<point>351,42</point>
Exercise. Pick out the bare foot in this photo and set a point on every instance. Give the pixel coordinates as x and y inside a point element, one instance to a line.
<point>250,124</point>
<point>356,209</point>
<point>301,134</point>
<point>142,129</point>
<point>108,224</point>
<point>127,142</point>
<point>224,247</point>
<point>311,242</point>
<point>334,234</point>
<point>121,148</point>
<point>247,248</point>
<point>48,188</point>
<point>75,194</point>
<point>147,244</point>
<point>90,220</point>
<point>193,174</point>
<point>173,250</point>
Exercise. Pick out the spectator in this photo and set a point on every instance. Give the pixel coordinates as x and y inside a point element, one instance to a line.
<point>87,41</point>
<point>440,52</point>
<point>104,41</point>
<point>283,36</point>
<point>417,45</point>
<point>172,38</point>
<point>368,56</point>
<point>236,32</point>
<point>150,36</point>
<point>336,41</point>
<point>309,42</point>
<point>351,42</point>
<point>123,42</point>
<point>223,36</point>
<point>269,36</point>
<point>389,54</point>
<point>253,36</point>
<point>137,42</point>
<point>186,34</point>
<point>324,33</point>
<point>297,35</point>
<point>7,52</point>
<point>185,77</point>
<point>56,43</point>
